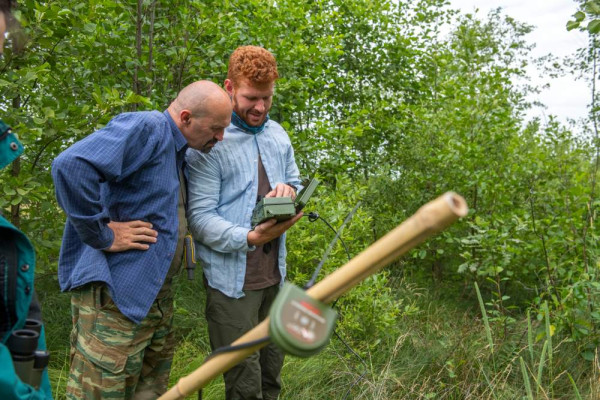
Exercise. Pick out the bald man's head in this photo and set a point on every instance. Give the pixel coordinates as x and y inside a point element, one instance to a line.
<point>201,111</point>
<point>200,97</point>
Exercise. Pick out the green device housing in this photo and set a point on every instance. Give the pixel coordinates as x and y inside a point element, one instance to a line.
<point>305,194</point>
<point>299,324</point>
<point>282,208</point>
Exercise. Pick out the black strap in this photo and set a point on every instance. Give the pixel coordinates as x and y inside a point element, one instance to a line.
<point>5,133</point>
<point>8,283</point>
<point>183,185</point>
<point>35,311</point>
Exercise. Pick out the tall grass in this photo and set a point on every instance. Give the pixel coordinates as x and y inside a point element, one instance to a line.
<point>439,347</point>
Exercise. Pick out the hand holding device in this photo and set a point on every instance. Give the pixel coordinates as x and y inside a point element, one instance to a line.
<point>282,208</point>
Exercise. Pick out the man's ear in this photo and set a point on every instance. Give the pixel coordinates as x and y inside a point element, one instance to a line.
<point>229,87</point>
<point>185,116</point>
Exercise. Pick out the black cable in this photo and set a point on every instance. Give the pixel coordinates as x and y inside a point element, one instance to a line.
<point>364,363</point>
<point>228,349</point>
<point>312,217</point>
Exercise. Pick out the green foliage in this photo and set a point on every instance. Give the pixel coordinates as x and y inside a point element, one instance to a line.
<point>589,12</point>
<point>386,111</point>
<point>488,331</point>
<point>440,352</point>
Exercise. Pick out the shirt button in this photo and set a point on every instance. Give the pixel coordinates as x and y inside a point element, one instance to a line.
<point>25,267</point>
<point>14,146</point>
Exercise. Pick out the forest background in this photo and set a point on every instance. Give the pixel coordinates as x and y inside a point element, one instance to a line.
<point>389,113</point>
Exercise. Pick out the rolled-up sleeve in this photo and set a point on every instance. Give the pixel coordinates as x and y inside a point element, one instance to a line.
<point>204,192</point>
<point>291,169</point>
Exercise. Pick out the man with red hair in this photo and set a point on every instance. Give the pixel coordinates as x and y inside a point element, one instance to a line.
<point>243,267</point>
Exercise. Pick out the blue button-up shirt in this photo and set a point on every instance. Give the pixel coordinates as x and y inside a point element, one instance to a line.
<point>126,171</point>
<point>222,189</point>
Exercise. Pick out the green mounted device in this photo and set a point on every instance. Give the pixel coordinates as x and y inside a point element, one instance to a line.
<point>299,324</point>
<point>282,208</point>
<point>305,194</point>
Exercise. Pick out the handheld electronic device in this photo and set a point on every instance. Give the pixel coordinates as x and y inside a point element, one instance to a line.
<point>305,194</point>
<point>282,208</point>
<point>299,324</point>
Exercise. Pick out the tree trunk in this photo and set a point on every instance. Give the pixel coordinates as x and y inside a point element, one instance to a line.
<point>138,48</point>
<point>151,47</point>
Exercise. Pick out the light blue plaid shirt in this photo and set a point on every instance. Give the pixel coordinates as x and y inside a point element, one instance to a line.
<point>222,189</point>
<point>124,172</point>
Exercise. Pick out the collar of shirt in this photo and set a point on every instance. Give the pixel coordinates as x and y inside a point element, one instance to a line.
<point>180,142</point>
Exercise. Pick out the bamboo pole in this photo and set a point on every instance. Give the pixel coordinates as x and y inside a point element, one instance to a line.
<point>427,221</point>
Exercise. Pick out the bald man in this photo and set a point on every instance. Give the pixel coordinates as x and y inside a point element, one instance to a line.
<point>123,191</point>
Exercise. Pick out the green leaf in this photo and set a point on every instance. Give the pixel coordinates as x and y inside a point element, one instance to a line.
<point>49,112</point>
<point>573,25</point>
<point>588,355</point>
<point>592,7</point>
<point>594,26</point>
<point>89,27</point>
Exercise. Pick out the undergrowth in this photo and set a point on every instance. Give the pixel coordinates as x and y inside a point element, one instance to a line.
<point>438,347</point>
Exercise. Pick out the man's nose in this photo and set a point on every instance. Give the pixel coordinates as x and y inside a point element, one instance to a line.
<point>260,106</point>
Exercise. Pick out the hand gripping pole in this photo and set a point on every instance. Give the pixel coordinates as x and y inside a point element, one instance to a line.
<point>430,219</point>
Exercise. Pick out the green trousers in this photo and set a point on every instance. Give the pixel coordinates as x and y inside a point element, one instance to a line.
<point>114,358</point>
<point>258,376</point>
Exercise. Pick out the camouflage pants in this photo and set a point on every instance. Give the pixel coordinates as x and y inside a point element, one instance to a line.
<point>114,358</point>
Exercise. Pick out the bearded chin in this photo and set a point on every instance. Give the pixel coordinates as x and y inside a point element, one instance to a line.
<point>209,146</point>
